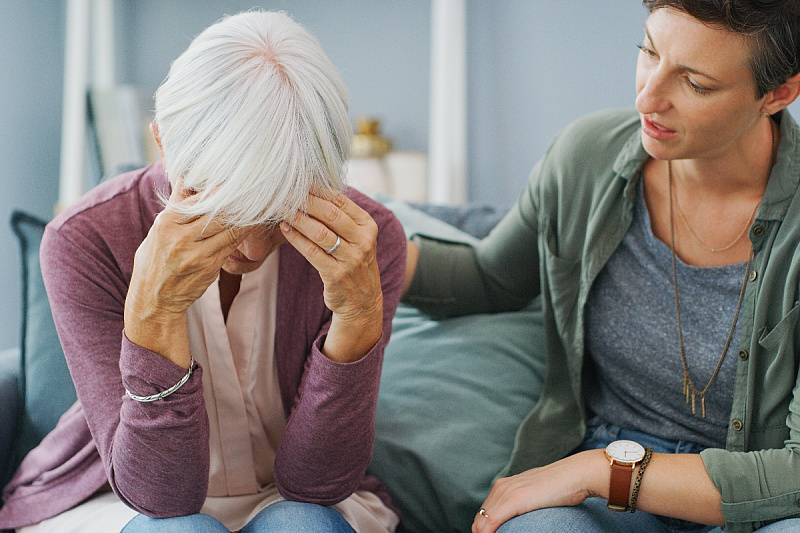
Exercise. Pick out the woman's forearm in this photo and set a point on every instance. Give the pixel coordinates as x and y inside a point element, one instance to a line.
<point>166,335</point>
<point>674,485</point>
<point>158,459</point>
<point>678,485</point>
<point>350,340</point>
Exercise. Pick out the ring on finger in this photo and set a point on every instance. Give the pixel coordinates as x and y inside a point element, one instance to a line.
<point>335,245</point>
<point>483,513</point>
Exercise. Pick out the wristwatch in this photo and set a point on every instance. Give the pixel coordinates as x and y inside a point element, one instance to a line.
<point>624,456</point>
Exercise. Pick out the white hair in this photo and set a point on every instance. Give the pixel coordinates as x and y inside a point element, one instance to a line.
<point>253,116</point>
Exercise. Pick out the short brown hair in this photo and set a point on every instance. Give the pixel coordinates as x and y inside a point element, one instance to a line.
<point>773,26</point>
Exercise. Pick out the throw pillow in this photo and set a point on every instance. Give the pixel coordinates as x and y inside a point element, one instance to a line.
<point>453,393</point>
<point>46,385</point>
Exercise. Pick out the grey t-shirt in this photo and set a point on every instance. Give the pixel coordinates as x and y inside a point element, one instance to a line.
<point>632,339</point>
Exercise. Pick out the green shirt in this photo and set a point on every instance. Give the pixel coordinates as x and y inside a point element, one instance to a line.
<point>570,219</point>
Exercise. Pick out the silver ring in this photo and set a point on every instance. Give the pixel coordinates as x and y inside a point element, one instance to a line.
<point>482,512</point>
<point>335,246</point>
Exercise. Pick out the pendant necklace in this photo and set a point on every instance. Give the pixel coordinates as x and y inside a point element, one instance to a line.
<point>690,391</point>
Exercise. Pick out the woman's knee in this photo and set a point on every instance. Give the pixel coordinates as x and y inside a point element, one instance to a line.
<point>297,517</point>
<point>589,517</point>
<point>550,520</point>
<point>196,523</point>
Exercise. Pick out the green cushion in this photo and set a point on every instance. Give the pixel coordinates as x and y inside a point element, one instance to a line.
<point>46,385</point>
<point>453,394</point>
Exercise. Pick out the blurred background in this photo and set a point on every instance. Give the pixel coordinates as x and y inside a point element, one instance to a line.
<point>491,80</point>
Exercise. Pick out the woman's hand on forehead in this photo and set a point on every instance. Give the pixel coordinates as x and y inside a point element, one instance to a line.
<point>339,239</point>
<point>173,267</point>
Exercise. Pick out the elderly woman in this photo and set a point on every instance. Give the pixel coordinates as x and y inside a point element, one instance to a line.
<point>226,380</point>
<point>664,243</point>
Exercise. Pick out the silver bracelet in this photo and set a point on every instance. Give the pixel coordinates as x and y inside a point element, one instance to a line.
<point>163,394</point>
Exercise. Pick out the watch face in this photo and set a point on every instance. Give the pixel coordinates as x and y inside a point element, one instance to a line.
<point>625,451</point>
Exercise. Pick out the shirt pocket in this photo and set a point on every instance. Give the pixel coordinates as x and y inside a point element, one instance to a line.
<point>779,376</point>
<point>780,339</point>
<point>563,279</point>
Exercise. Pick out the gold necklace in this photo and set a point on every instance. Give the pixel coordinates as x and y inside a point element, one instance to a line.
<point>690,391</point>
<point>702,243</point>
<point>711,249</point>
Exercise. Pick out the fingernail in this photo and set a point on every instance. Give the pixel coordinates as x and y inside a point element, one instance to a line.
<point>285,227</point>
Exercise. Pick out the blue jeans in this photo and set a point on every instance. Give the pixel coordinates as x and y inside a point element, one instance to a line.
<point>280,517</point>
<point>592,516</point>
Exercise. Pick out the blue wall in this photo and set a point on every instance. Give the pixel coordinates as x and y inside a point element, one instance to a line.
<point>31,63</point>
<point>379,47</point>
<point>534,67</point>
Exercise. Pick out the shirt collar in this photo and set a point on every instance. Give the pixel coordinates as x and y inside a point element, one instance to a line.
<point>783,180</point>
<point>785,176</point>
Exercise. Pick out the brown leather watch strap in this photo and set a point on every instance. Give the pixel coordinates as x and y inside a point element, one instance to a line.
<point>620,486</point>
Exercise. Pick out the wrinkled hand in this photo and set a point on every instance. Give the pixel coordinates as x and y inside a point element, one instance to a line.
<point>350,274</point>
<point>172,268</point>
<point>563,483</point>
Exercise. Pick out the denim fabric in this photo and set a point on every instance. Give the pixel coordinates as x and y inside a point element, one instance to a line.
<point>600,434</point>
<point>199,523</point>
<point>280,517</point>
<point>592,516</point>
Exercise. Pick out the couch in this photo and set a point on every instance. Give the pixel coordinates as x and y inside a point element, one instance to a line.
<point>453,392</point>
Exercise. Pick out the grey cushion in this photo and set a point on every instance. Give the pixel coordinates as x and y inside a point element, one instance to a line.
<point>46,384</point>
<point>459,223</point>
<point>475,219</point>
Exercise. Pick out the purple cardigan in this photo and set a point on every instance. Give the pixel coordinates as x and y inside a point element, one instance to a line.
<point>155,456</point>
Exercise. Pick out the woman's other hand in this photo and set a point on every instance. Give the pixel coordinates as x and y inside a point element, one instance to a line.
<point>564,483</point>
<point>172,268</point>
<point>340,240</point>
